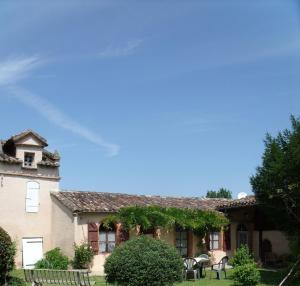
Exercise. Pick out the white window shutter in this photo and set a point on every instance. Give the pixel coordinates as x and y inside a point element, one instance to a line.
<point>32,197</point>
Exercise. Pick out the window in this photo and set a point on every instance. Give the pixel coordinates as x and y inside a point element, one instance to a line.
<point>32,197</point>
<point>181,242</point>
<point>242,235</point>
<point>28,159</point>
<point>214,243</point>
<point>107,240</point>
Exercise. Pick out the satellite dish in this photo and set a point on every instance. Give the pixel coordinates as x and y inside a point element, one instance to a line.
<point>241,195</point>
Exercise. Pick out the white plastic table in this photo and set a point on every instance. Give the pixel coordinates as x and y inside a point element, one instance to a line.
<point>200,261</point>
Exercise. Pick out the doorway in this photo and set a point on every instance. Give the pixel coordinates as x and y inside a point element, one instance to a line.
<point>32,251</point>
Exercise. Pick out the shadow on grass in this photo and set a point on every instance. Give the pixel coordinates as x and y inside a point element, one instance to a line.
<point>271,277</point>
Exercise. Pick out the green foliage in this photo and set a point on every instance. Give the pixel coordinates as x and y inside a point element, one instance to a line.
<point>245,271</point>
<point>246,275</point>
<point>241,257</point>
<point>294,245</point>
<point>276,183</point>
<point>54,259</point>
<point>146,217</point>
<point>151,217</point>
<point>16,281</point>
<point>144,261</point>
<point>7,253</point>
<point>221,193</point>
<point>83,256</point>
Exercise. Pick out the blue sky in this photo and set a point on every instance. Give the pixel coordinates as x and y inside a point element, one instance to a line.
<point>151,97</point>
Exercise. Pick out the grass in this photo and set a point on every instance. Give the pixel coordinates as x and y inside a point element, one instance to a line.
<point>268,278</point>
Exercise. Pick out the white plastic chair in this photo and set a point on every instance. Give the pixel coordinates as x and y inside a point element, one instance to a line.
<point>191,266</point>
<point>219,267</point>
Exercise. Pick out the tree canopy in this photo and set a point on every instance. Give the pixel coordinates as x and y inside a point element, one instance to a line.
<point>276,183</point>
<point>151,217</point>
<point>221,193</point>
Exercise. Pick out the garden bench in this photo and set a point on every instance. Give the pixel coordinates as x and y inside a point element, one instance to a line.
<point>39,277</point>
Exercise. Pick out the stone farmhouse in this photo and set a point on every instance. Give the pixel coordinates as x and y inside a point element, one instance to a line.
<point>39,216</point>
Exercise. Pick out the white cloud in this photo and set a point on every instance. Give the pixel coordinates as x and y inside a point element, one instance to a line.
<point>13,71</point>
<point>128,49</point>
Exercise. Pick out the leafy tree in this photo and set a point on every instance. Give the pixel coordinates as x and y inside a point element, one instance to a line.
<point>276,183</point>
<point>221,193</point>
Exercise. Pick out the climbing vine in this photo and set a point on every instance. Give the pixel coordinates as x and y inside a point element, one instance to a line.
<point>151,217</point>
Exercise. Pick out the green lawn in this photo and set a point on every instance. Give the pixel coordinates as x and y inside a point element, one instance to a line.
<point>268,278</point>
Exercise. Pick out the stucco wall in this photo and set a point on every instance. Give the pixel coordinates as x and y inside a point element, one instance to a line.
<point>63,230</point>
<point>13,217</point>
<point>278,240</point>
<point>44,172</point>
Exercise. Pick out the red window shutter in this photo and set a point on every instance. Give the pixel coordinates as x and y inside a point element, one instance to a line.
<point>93,236</point>
<point>227,239</point>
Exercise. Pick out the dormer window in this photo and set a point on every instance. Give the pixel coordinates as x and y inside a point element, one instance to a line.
<point>28,160</point>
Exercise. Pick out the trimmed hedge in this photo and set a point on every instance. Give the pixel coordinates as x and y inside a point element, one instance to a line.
<point>144,261</point>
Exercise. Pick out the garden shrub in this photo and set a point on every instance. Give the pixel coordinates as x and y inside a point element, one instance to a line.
<point>54,259</point>
<point>7,253</point>
<point>83,256</point>
<point>245,271</point>
<point>241,257</point>
<point>144,261</point>
<point>246,275</point>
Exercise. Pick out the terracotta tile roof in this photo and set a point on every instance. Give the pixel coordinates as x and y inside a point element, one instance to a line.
<point>48,163</point>
<point>9,159</point>
<point>50,155</point>
<point>50,159</point>
<point>247,201</point>
<point>111,202</point>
